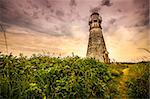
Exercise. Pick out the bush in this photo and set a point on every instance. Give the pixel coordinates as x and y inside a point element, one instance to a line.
<point>138,85</point>
<point>51,77</point>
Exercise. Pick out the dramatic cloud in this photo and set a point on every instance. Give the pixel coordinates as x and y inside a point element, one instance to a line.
<point>61,26</point>
<point>112,21</point>
<point>100,5</point>
<point>95,9</point>
<point>106,2</point>
<point>32,15</point>
<point>73,3</point>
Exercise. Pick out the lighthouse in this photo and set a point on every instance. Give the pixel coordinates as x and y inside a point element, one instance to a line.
<point>96,44</point>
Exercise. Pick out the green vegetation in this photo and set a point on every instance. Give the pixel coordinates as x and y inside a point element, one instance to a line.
<point>138,83</point>
<point>50,77</point>
<point>43,77</point>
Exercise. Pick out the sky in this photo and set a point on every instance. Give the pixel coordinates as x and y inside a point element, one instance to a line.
<point>60,27</point>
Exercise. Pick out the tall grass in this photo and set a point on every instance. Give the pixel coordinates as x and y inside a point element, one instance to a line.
<point>138,83</point>
<point>50,77</point>
<point>5,37</point>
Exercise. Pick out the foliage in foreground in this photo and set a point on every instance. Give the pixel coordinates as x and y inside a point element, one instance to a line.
<point>138,84</point>
<point>50,77</point>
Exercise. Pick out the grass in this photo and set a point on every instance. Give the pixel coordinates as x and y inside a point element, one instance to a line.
<point>43,77</point>
<point>132,80</point>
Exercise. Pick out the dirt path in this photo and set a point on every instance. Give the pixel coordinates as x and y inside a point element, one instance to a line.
<point>122,84</point>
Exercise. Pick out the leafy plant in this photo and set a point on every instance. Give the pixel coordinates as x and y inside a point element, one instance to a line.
<point>51,77</point>
<point>138,84</point>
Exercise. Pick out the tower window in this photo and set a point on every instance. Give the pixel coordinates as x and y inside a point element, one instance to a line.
<point>95,20</point>
<point>90,22</point>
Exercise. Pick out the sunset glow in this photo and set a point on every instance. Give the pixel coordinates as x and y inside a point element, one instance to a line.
<point>60,27</point>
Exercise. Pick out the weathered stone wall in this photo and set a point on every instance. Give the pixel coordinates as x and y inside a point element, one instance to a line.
<point>96,45</point>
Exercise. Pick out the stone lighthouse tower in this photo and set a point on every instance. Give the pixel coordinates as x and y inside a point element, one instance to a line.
<point>96,45</point>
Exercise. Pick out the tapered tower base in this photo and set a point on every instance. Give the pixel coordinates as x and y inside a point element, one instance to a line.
<point>96,45</point>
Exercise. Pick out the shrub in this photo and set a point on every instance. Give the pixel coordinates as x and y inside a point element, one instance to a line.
<point>138,84</point>
<point>51,77</point>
